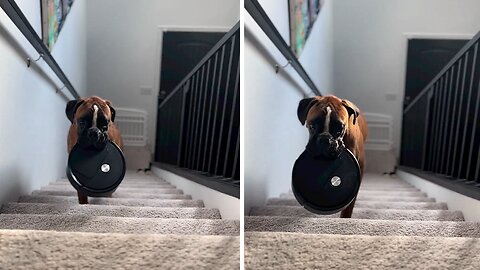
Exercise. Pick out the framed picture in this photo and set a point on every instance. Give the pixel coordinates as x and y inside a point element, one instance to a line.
<point>303,14</point>
<point>54,14</point>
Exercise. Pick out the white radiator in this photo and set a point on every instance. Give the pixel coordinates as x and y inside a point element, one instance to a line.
<point>132,124</point>
<point>380,131</point>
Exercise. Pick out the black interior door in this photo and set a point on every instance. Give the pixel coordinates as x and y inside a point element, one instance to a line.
<point>426,57</point>
<point>181,51</point>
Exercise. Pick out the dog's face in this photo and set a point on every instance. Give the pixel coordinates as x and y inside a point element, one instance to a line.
<point>91,117</point>
<point>327,120</point>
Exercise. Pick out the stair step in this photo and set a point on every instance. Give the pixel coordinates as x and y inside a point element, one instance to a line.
<point>293,251</point>
<point>101,224</point>
<point>362,213</point>
<point>386,188</point>
<point>371,204</point>
<point>382,184</point>
<point>387,198</point>
<point>393,193</point>
<point>362,226</point>
<point>127,180</point>
<point>370,201</point>
<point>383,188</point>
<point>125,189</point>
<point>125,184</point>
<point>59,250</point>
<point>112,201</point>
<point>110,210</point>
<point>377,193</point>
<point>116,194</point>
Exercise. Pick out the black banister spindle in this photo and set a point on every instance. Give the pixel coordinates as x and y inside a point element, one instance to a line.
<point>456,94</point>
<point>210,108</point>
<point>214,134</point>
<point>444,120</point>
<point>426,130</point>
<point>460,110</point>
<point>182,122</point>
<point>232,120</point>
<point>197,119</point>
<point>232,47</point>
<point>437,125</point>
<point>462,173</point>
<point>201,142</point>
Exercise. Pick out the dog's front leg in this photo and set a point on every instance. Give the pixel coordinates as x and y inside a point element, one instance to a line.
<point>347,212</point>
<point>82,198</point>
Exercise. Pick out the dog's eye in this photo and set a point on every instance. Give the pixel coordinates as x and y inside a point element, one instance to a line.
<point>337,129</point>
<point>311,127</point>
<point>104,128</point>
<point>81,124</point>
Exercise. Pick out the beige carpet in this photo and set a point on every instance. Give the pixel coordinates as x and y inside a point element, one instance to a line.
<point>59,250</point>
<point>147,224</point>
<point>394,226</point>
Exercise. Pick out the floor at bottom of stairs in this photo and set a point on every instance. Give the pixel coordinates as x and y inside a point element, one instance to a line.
<point>393,226</point>
<point>147,224</point>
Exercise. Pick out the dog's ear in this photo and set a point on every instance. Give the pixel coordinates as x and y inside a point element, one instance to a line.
<point>112,110</point>
<point>303,107</point>
<point>72,107</point>
<point>351,109</point>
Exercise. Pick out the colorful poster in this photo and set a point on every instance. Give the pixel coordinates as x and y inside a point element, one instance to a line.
<point>54,13</point>
<point>303,14</point>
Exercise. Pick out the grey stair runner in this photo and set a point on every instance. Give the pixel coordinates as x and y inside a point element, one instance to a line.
<point>393,226</point>
<point>147,223</point>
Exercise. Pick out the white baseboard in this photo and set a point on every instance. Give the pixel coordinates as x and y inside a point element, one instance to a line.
<point>229,206</point>
<point>455,201</point>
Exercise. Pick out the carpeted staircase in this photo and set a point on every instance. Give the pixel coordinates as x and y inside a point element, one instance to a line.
<point>146,224</point>
<point>394,226</point>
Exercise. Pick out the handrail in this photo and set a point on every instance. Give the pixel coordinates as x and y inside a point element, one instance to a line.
<point>19,19</point>
<point>457,56</point>
<point>212,51</point>
<point>262,19</point>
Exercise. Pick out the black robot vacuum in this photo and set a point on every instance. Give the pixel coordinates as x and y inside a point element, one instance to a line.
<point>326,186</point>
<point>96,173</point>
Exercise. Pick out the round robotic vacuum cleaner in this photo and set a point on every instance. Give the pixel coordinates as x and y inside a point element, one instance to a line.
<point>326,186</point>
<point>96,173</point>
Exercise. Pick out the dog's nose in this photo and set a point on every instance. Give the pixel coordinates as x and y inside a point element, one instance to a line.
<point>326,146</point>
<point>323,141</point>
<point>94,133</point>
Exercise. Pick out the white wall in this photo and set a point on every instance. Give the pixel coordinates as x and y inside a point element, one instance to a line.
<point>228,206</point>
<point>371,46</point>
<point>32,116</point>
<point>123,45</point>
<point>273,136</point>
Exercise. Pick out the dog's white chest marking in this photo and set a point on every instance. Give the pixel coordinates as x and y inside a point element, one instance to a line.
<point>326,127</point>
<point>95,115</point>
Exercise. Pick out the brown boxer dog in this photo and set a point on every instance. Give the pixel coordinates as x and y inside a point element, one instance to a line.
<point>334,123</point>
<point>93,125</point>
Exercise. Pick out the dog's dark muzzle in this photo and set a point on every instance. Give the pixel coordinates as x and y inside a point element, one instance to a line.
<point>325,145</point>
<point>96,138</point>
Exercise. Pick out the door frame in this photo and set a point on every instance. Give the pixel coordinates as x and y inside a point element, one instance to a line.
<point>158,66</point>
